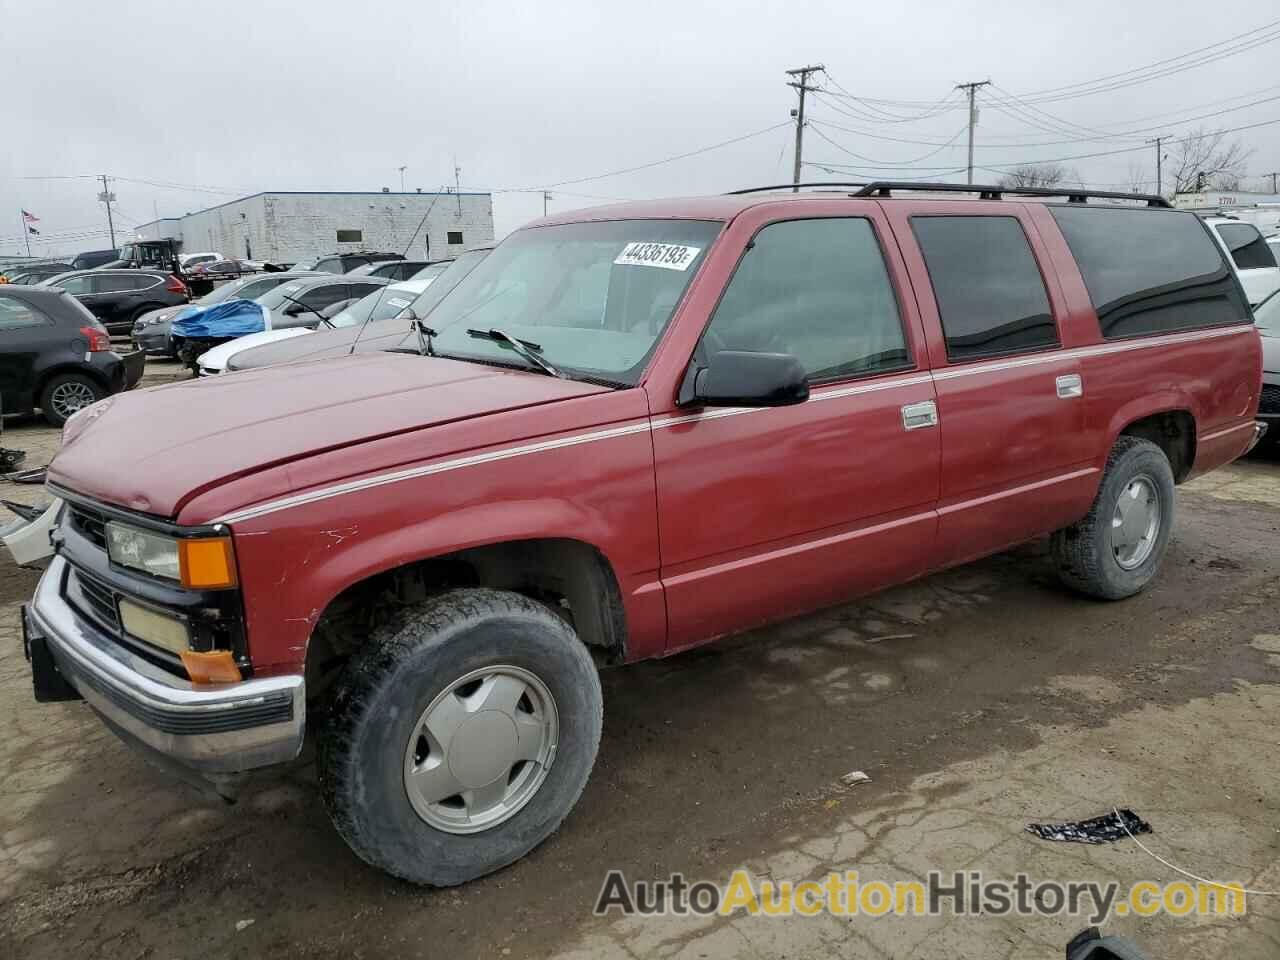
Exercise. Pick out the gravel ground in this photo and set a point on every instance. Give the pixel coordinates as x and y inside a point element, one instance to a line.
<point>976,700</point>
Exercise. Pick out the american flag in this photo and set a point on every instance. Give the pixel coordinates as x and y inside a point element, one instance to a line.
<point>30,217</point>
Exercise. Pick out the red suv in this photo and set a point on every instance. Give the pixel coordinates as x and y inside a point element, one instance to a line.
<point>630,430</point>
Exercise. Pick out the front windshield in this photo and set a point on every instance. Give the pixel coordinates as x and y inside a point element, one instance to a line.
<point>306,264</point>
<point>594,297</point>
<point>452,275</point>
<point>383,304</point>
<point>431,271</point>
<point>1267,315</point>
<point>128,251</point>
<point>282,294</point>
<point>244,288</point>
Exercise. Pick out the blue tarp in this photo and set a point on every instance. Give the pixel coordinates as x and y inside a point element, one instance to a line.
<point>232,318</point>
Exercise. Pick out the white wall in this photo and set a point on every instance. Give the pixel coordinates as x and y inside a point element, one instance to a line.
<point>289,227</point>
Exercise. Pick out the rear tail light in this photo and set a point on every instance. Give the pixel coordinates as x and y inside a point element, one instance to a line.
<point>176,286</point>
<point>98,339</point>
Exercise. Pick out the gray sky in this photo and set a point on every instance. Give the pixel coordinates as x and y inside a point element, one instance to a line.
<point>334,95</point>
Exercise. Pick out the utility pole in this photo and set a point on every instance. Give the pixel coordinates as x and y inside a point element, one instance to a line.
<point>402,170</point>
<point>1273,180</point>
<point>545,197</point>
<point>972,88</point>
<point>1159,157</point>
<point>457,184</point>
<point>803,86</point>
<point>106,196</point>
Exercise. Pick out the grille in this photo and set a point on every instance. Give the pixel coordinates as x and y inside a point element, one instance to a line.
<point>1270,401</point>
<point>99,601</point>
<point>90,524</point>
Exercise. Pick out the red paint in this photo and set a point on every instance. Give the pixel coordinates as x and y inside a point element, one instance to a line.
<point>712,524</point>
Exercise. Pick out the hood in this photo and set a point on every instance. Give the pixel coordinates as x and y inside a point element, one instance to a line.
<point>152,450</point>
<point>325,344</point>
<point>216,359</point>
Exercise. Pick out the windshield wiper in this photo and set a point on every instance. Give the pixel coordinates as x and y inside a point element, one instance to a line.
<point>525,348</point>
<point>305,306</point>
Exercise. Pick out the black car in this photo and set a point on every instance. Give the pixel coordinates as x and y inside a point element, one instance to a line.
<point>55,355</point>
<point>120,297</point>
<point>94,258</point>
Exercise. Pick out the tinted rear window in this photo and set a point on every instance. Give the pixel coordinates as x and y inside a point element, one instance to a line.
<point>1247,247</point>
<point>1150,271</point>
<point>990,294</point>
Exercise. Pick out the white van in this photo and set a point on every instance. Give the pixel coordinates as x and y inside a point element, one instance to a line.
<point>1253,257</point>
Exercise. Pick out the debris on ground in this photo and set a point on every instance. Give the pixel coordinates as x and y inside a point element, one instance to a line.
<point>1105,829</point>
<point>9,459</point>
<point>243,924</point>
<point>1224,563</point>
<point>854,777</point>
<point>892,636</point>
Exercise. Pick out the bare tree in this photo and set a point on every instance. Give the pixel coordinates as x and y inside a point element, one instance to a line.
<point>1138,179</point>
<point>1206,159</point>
<point>1036,175</point>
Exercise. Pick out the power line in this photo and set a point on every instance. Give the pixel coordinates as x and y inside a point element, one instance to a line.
<point>891,163</point>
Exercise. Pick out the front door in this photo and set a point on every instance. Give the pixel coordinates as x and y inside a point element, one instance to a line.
<point>765,513</point>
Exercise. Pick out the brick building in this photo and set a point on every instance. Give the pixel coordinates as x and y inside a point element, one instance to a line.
<point>290,226</point>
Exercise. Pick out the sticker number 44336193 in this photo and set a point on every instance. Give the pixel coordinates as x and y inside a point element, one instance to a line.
<point>669,256</point>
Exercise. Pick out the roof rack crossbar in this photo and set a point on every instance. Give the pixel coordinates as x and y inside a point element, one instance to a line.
<point>885,188</point>
<point>789,186</point>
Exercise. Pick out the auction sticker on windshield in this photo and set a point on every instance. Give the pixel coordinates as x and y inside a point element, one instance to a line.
<point>669,256</point>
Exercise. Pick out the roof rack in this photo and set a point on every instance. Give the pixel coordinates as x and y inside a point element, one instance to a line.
<point>789,186</point>
<point>884,188</point>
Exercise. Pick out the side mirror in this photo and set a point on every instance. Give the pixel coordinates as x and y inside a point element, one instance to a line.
<point>292,310</point>
<point>743,378</point>
<point>333,309</point>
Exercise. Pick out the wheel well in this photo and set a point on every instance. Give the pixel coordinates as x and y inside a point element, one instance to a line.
<point>52,372</point>
<point>571,577</point>
<point>1174,432</point>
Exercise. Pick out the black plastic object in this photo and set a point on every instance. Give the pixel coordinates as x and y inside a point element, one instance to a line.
<point>885,188</point>
<point>1104,829</point>
<point>10,459</point>
<point>744,378</point>
<point>1090,944</point>
<point>49,684</point>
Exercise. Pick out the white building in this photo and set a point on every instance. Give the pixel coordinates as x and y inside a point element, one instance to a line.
<point>1260,209</point>
<point>289,226</point>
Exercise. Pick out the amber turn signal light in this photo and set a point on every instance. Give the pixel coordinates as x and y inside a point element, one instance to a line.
<point>207,563</point>
<point>215,667</point>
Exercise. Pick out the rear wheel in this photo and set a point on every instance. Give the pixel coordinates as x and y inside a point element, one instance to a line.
<point>462,735</point>
<point>1116,550</point>
<point>66,394</point>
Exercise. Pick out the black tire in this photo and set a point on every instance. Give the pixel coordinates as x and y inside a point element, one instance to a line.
<point>1083,552</point>
<point>61,383</point>
<point>392,680</point>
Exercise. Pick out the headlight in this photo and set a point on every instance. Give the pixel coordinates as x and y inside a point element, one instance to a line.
<point>201,563</point>
<point>146,624</point>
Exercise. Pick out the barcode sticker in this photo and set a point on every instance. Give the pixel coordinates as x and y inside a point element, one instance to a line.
<point>669,256</point>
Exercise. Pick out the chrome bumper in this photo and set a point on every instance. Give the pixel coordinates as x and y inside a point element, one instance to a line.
<point>1259,431</point>
<point>211,730</point>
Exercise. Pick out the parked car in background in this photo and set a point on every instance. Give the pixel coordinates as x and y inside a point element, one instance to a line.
<point>151,330</point>
<point>223,268</point>
<point>94,258</point>
<point>346,262</point>
<point>55,355</point>
<point>385,304</point>
<point>34,273</point>
<point>296,304</point>
<point>640,428</point>
<point>119,297</point>
<point>189,260</point>
<point>1253,258</point>
<point>384,336</point>
<point>1267,316</point>
<point>393,270</point>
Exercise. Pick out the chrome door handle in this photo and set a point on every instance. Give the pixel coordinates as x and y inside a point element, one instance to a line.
<point>1069,386</point>
<point>917,415</point>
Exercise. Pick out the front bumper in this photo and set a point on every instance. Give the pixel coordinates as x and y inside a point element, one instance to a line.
<point>155,343</point>
<point>212,730</point>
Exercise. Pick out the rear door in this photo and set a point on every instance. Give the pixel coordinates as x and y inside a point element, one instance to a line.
<point>768,512</point>
<point>1015,459</point>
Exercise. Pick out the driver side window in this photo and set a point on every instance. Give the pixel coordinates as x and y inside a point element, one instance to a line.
<point>816,289</point>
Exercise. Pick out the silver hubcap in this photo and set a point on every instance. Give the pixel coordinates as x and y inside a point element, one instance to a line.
<point>68,398</point>
<point>481,750</point>
<point>1136,522</point>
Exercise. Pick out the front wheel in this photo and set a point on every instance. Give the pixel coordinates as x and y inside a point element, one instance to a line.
<point>462,735</point>
<point>1116,550</point>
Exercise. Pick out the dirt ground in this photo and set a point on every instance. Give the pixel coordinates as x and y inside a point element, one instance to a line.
<point>976,700</point>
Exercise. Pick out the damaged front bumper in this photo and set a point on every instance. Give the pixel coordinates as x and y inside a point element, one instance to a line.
<point>215,731</point>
